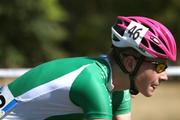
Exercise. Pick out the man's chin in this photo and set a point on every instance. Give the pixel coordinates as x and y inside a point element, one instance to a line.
<point>148,94</point>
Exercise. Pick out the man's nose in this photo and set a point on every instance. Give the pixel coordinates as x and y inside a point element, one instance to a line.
<point>163,76</point>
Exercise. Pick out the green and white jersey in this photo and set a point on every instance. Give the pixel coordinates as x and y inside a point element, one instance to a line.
<point>64,89</point>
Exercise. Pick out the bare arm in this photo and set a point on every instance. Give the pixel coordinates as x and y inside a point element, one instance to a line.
<point>118,117</point>
<point>122,117</point>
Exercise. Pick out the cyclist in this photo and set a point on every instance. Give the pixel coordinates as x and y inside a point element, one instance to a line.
<point>94,88</point>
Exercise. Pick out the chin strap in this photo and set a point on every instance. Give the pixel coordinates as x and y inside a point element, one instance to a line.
<point>118,58</point>
<point>133,89</point>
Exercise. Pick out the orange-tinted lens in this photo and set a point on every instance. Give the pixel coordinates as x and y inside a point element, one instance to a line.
<point>160,67</point>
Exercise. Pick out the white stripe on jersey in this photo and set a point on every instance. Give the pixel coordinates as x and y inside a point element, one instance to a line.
<point>61,82</point>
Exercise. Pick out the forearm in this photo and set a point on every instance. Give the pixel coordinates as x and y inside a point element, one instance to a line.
<point>118,117</point>
<point>122,117</point>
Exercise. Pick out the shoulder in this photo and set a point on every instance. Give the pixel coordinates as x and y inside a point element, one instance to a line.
<point>89,91</point>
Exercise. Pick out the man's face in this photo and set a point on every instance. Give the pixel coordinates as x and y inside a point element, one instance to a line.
<point>148,79</point>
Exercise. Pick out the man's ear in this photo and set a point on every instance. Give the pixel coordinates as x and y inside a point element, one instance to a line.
<point>129,63</point>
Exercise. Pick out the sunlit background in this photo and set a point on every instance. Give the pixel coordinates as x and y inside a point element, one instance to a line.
<point>36,31</point>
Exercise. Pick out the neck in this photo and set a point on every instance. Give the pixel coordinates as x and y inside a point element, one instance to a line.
<point>120,79</point>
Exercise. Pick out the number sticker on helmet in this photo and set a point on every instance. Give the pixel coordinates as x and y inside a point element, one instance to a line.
<point>135,31</point>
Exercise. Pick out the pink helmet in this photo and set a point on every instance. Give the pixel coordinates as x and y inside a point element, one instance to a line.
<point>147,36</point>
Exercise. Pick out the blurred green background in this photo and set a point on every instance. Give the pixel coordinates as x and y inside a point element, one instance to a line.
<point>35,31</point>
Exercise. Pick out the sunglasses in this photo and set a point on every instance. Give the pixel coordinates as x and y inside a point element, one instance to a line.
<point>159,66</point>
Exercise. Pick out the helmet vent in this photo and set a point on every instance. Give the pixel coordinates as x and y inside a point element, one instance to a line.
<point>150,29</point>
<point>126,23</point>
<point>156,48</point>
<point>119,30</point>
<point>119,21</point>
<point>164,43</point>
<point>144,42</point>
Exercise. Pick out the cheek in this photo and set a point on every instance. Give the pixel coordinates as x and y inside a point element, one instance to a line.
<point>145,78</point>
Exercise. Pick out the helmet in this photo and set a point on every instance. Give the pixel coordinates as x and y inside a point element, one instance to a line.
<point>149,37</point>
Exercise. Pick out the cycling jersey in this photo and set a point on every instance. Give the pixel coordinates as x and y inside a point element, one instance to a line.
<point>64,89</point>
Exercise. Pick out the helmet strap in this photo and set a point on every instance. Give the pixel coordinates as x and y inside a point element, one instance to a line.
<point>118,58</point>
<point>133,88</point>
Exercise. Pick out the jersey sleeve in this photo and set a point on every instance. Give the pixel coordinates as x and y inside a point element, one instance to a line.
<point>89,92</point>
<point>121,101</point>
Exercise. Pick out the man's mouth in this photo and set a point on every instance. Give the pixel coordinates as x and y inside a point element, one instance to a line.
<point>154,86</point>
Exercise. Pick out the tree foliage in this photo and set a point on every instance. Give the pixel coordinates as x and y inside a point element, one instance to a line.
<point>35,31</point>
<point>30,31</point>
